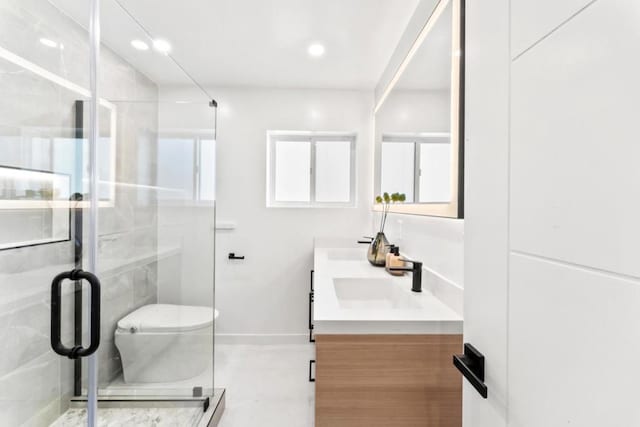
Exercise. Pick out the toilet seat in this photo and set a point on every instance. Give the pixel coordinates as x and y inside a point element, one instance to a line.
<point>166,318</point>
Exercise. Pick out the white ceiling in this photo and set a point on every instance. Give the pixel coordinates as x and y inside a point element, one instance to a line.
<point>257,42</point>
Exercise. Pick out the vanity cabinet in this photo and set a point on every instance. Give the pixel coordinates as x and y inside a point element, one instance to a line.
<point>387,380</point>
<point>384,354</point>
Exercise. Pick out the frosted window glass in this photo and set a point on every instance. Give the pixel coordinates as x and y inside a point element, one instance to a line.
<point>397,169</point>
<point>292,171</point>
<point>333,171</point>
<point>435,173</point>
<point>207,169</point>
<point>176,168</point>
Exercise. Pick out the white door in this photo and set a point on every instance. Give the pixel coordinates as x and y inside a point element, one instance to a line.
<point>552,240</point>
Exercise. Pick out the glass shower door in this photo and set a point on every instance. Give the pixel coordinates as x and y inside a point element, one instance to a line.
<point>44,75</point>
<point>156,221</point>
<point>155,254</point>
<point>130,201</point>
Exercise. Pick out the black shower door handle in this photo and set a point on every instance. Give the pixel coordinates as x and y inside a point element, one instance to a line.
<point>56,315</point>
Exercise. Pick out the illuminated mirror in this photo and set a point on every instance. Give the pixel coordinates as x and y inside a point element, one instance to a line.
<point>419,121</point>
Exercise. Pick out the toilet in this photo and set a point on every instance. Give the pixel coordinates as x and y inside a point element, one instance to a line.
<point>161,343</point>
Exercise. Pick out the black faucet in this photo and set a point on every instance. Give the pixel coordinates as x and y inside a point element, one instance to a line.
<point>416,269</point>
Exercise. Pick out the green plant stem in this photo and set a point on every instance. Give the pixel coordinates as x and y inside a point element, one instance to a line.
<point>385,211</point>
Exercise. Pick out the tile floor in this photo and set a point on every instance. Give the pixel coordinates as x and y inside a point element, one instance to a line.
<point>266,385</point>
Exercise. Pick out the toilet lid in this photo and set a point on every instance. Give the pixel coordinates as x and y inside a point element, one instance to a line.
<point>167,318</point>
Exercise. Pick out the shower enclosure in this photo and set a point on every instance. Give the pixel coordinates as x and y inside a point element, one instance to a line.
<point>107,183</point>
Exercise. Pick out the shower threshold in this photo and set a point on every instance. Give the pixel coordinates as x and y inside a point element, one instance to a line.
<point>142,411</point>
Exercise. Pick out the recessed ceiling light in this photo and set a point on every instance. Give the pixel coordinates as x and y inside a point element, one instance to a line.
<point>139,44</point>
<point>48,43</point>
<point>316,49</point>
<point>162,46</point>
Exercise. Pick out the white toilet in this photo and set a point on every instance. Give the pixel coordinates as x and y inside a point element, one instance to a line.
<point>161,343</point>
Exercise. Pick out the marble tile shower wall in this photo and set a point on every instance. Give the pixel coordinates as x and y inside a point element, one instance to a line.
<point>32,377</point>
<point>34,382</point>
<point>127,248</point>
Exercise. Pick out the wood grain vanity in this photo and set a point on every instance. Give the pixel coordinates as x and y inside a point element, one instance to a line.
<point>383,353</point>
<point>387,380</point>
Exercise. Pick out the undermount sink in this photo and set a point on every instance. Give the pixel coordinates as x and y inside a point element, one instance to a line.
<point>346,255</point>
<point>372,293</point>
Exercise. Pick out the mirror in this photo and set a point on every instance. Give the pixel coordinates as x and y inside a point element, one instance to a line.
<point>419,121</point>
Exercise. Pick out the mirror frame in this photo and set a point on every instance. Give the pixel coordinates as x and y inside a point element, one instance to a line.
<point>454,208</point>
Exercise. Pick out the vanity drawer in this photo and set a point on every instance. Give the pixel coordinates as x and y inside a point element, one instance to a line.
<point>387,380</point>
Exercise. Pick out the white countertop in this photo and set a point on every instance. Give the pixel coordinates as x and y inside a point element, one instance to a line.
<point>371,300</point>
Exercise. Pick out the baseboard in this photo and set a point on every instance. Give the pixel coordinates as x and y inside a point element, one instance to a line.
<point>258,339</point>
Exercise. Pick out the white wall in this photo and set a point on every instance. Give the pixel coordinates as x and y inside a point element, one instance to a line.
<point>185,226</point>
<point>267,292</point>
<point>437,242</point>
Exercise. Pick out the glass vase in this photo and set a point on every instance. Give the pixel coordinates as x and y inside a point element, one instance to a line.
<point>378,250</point>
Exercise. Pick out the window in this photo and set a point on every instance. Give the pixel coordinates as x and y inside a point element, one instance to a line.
<point>292,177</point>
<point>308,169</point>
<point>397,169</point>
<point>435,172</point>
<point>186,168</point>
<point>418,166</point>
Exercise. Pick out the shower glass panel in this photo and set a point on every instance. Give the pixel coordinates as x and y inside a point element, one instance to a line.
<point>154,198</point>
<point>44,73</point>
<point>156,243</point>
<point>156,219</point>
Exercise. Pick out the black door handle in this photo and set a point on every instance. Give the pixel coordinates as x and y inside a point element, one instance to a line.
<point>311,338</point>
<point>56,317</point>
<point>232,255</point>
<point>311,297</point>
<point>471,365</point>
<point>312,379</point>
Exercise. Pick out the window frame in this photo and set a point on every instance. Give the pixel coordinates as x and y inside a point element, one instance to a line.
<point>312,138</point>
<point>417,140</point>
<point>196,138</point>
